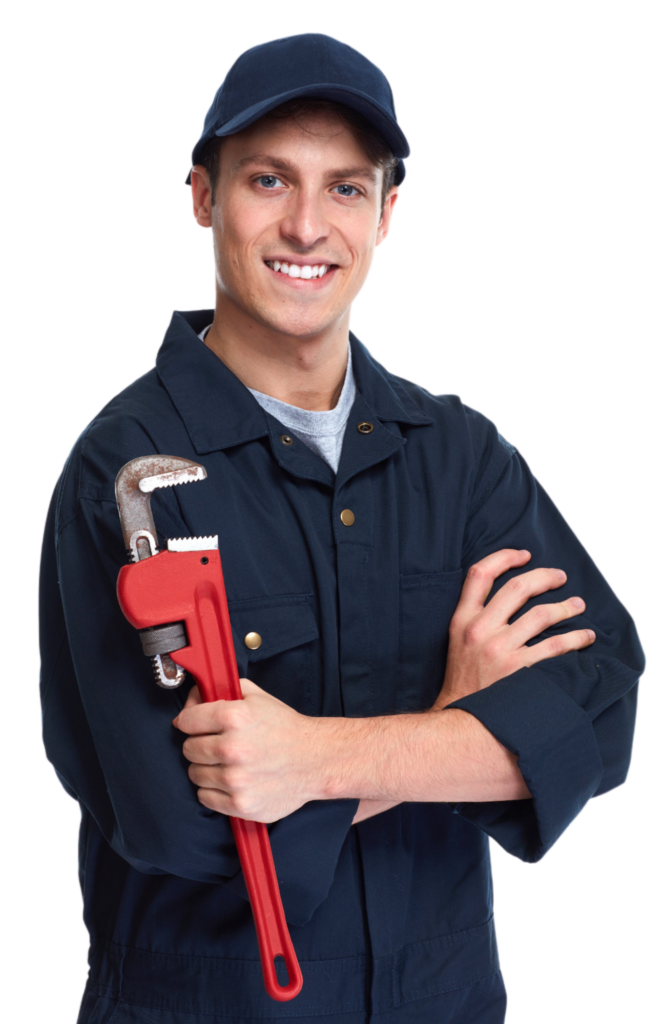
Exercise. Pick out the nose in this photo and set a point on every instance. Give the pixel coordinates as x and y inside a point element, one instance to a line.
<point>304,223</point>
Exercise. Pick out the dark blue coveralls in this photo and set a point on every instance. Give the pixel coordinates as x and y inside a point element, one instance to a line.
<point>391,919</point>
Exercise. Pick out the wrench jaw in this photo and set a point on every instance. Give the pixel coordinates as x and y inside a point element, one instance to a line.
<point>147,543</point>
<point>133,489</point>
<point>134,485</point>
<point>167,674</point>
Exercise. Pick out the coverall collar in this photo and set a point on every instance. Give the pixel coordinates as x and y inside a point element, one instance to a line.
<point>219,411</point>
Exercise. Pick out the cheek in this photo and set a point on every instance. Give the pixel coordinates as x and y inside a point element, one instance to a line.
<point>366,260</point>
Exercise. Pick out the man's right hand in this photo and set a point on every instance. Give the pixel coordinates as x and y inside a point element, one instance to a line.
<point>483,647</point>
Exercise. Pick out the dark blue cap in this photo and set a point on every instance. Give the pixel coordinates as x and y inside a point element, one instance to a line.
<point>307,65</point>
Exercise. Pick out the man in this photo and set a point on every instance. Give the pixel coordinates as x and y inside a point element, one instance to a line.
<point>429,657</point>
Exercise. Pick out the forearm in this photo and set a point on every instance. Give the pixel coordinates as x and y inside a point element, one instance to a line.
<point>445,755</point>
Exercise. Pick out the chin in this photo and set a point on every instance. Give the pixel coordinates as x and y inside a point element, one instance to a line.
<point>298,323</point>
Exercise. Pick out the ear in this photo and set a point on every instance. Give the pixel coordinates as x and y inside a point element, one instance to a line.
<point>387,214</point>
<point>201,193</point>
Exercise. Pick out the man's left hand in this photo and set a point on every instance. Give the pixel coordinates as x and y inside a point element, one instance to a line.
<point>255,758</point>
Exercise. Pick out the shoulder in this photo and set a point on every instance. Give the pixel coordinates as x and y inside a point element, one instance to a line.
<point>124,429</point>
<point>459,446</point>
<point>455,420</point>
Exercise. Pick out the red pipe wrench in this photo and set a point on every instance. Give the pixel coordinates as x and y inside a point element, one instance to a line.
<point>177,599</point>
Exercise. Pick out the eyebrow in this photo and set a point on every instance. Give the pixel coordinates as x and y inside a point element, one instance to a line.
<point>366,171</point>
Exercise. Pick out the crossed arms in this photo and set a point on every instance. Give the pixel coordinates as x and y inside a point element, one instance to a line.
<point>260,759</point>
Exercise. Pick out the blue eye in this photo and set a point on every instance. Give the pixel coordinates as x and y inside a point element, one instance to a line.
<point>272,176</point>
<point>346,190</point>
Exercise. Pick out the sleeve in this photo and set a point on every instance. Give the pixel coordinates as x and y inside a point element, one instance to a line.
<point>569,719</point>
<point>108,728</point>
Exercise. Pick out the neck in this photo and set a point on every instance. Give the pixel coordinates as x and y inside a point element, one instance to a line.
<point>306,374</point>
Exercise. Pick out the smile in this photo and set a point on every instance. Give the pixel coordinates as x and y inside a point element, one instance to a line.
<point>303,279</point>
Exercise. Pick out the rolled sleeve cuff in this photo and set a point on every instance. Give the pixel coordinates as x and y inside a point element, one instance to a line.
<point>557,753</point>
<point>306,846</point>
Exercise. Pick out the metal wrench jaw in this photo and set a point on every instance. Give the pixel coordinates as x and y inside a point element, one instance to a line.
<point>167,673</point>
<point>134,485</point>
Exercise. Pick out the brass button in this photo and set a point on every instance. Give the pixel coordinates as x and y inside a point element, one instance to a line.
<point>252,641</point>
<point>347,517</point>
<point>364,428</point>
<point>286,438</point>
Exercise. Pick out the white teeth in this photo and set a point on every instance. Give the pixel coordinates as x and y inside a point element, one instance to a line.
<point>294,270</point>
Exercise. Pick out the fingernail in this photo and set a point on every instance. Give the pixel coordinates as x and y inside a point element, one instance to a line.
<point>561,574</point>
<point>591,634</point>
<point>577,602</point>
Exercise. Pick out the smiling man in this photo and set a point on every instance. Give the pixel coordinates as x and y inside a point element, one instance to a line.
<point>429,656</point>
<point>297,202</point>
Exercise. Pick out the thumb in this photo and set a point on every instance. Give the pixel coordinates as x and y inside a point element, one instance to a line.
<point>249,687</point>
<point>193,698</point>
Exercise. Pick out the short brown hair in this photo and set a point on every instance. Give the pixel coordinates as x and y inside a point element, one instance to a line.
<point>368,137</point>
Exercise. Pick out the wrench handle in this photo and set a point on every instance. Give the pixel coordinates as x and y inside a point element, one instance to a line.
<point>188,586</point>
<point>255,855</point>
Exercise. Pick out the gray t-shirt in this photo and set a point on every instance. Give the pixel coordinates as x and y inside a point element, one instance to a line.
<point>322,431</point>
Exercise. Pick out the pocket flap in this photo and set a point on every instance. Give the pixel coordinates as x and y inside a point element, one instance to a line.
<point>282,621</point>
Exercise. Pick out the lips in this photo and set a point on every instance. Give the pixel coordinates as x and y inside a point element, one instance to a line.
<point>306,272</point>
<point>302,284</point>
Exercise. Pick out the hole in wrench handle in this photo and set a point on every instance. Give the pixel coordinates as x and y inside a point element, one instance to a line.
<point>274,940</point>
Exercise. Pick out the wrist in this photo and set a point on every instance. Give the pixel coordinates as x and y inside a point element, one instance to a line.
<point>344,757</point>
<point>445,699</point>
<point>331,740</point>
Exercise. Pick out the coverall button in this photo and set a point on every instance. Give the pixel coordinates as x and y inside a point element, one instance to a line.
<point>347,517</point>
<point>364,427</point>
<point>286,438</point>
<point>252,641</point>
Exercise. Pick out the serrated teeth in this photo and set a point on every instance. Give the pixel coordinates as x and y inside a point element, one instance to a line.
<point>193,543</point>
<point>161,676</point>
<point>178,476</point>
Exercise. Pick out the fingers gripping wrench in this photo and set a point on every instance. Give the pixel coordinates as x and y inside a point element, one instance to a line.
<point>177,599</point>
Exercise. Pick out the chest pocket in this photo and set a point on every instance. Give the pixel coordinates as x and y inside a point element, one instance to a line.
<point>427,603</point>
<point>274,640</point>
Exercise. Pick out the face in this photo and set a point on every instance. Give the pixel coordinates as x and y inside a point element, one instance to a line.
<point>296,219</point>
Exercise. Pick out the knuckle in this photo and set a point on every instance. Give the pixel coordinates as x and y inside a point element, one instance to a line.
<point>542,614</point>
<point>477,572</point>
<point>208,798</point>
<point>517,584</point>
<point>493,649</point>
<point>558,644</point>
<point>234,780</point>
<point>474,634</point>
<point>241,805</point>
<point>234,753</point>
